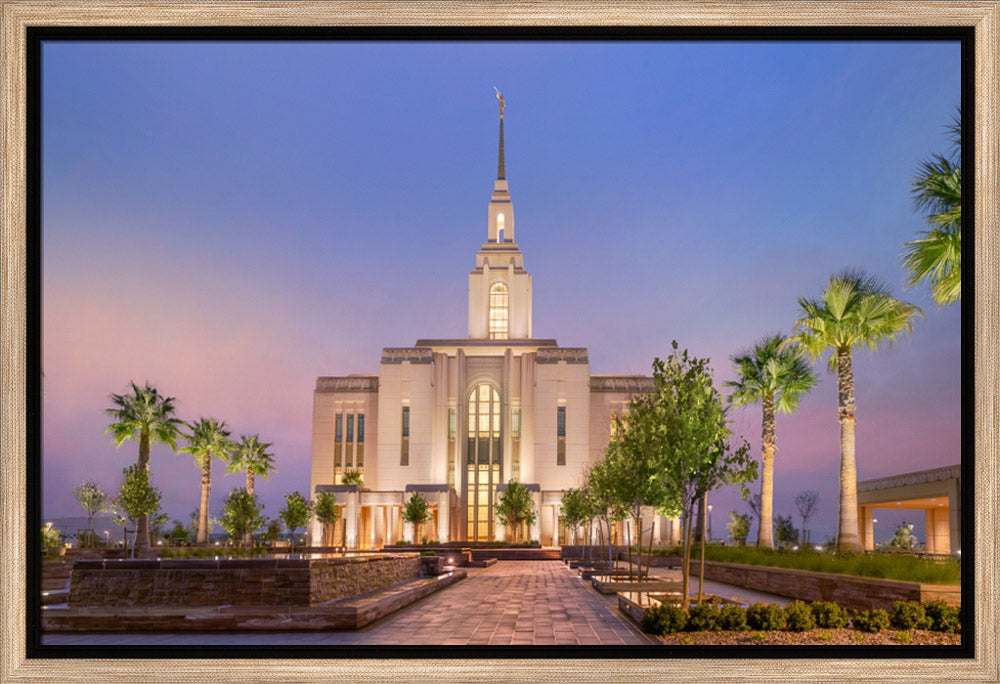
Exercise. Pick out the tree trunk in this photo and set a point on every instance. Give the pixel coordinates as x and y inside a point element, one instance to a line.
<point>142,523</point>
<point>628,545</point>
<point>206,487</point>
<point>701,566</point>
<point>649,556</point>
<point>847,531</point>
<point>248,537</point>
<point>686,561</point>
<point>765,527</point>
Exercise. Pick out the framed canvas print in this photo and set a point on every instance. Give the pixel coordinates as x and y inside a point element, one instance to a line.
<point>499,341</point>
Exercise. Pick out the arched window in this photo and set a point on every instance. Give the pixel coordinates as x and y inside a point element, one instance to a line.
<point>484,461</point>
<point>499,312</point>
<point>500,227</point>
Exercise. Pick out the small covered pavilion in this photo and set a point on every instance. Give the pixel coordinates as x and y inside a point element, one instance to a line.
<point>937,492</point>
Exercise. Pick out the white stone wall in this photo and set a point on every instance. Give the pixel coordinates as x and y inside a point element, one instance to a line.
<point>403,384</point>
<point>325,407</point>
<point>561,384</point>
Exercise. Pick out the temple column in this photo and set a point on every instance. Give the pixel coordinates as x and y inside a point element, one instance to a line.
<point>535,531</point>
<point>444,517</point>
<point>555,524</point>
<point>352,515</point>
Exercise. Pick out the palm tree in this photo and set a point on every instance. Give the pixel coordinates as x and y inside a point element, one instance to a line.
<point>251,457</point>
<point>147,417</point>
<point>776,375</point>
<point>208,438</point>
<point>855,310</point>
<point>937,256</point>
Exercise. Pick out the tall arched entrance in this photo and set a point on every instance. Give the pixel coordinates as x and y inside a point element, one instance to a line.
<point>484,461</point>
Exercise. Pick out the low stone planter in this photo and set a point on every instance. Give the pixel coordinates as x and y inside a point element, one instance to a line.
<point>606,585</point>
<point>351,613</point>
<point>848,591</point>
<point>237,582</point>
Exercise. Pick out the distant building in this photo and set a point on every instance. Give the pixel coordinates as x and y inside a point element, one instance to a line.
<point>456,419</point>
<point>936,492</point>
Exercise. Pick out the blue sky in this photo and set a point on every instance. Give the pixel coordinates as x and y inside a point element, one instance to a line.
<point>229,221</point>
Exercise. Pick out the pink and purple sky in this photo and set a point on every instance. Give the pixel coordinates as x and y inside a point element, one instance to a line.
<point>231,220</point>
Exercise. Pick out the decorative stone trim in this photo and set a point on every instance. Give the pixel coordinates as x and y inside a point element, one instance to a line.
<point>567,354</point>
<point>906,479</point>
<point>468,342</point>
<point>351,383</point>
<point>627,384</point>
<point>530,486</point>
<point>411,354</point>
<point>426,488</point>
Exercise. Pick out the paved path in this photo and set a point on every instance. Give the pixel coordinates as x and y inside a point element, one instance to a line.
<point>512,602</point>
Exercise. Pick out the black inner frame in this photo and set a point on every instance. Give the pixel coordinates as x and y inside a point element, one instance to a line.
<point>36,36</point>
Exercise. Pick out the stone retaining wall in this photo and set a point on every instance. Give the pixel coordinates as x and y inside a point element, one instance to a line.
<point>849,591</point>
<point>334,578</point>
<point>236,582</point>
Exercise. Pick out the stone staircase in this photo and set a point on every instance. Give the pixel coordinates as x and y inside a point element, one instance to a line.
<point>517,554</point>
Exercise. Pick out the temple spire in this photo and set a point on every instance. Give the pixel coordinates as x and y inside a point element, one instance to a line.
<point>501,174</point>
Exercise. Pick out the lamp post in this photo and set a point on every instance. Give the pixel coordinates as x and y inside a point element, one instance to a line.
<point>709,522</point>
<point>874,546</point>
<point>107,538</point>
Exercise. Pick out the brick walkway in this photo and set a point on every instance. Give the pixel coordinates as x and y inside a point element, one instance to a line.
<point>512,602</point>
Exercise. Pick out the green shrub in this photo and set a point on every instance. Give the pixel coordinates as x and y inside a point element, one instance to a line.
<point>798,617</point>
<point>903,637</point>
<point>908,615</point>
<point>943,618</point>
<point>765,616</point>
<point>733,618</point>
<point>427,553</point>
<point>870,620</point>
<point>829,615</point>
<point>665,618</point>
<point>703,618</point>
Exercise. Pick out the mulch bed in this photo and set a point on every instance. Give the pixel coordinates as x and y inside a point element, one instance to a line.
<point>815,637</point>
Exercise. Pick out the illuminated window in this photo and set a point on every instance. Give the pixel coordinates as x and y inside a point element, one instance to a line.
<point>561,435</point>
<point>404,448</point>
<point>359,454</point>
<point>499,227</point>
<point>484,461</point>
<point>338,447</point>
<point>499,311</point>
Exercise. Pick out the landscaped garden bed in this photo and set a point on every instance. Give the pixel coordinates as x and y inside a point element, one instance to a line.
<point>816,637</point>
<point>908,622</point>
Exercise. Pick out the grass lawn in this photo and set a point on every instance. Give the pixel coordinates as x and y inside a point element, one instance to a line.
<point>881,565</point>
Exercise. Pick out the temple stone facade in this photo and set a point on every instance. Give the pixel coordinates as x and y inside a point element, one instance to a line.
<point>456,419</point>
